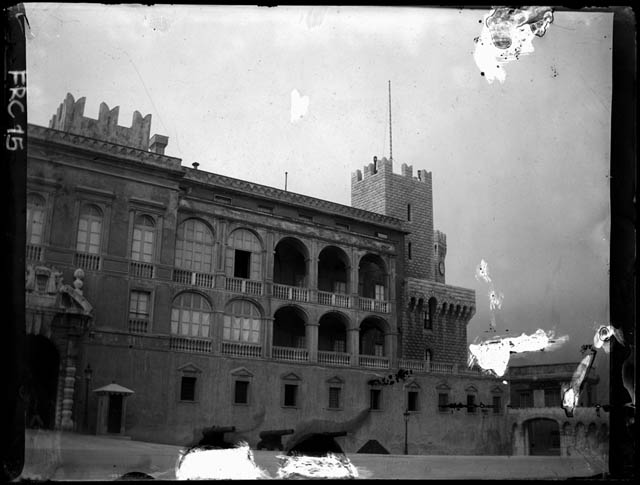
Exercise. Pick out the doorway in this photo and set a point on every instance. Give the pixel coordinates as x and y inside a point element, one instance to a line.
<point>114,419</point>
<point>43,364</point>
<point>544,437</point>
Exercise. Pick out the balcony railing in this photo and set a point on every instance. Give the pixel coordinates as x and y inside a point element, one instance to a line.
<point>371,305</point>
<point>442,368</point>
<point>333,299</point>
<point>294,293</point>
<point>188,344</point>
<point>192,278</point>
<point>239,285</point>
<point>33,252</point>
<point>417,365</point>
<point>138,325</point>
<point>373,361</point>
<point>141,270</point>
<point>241,349</point>
<point>87,261</point>
<point>290,353</point>
<point>333,358</point>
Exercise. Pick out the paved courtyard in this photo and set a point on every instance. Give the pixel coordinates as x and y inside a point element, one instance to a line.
<point>70,456</point>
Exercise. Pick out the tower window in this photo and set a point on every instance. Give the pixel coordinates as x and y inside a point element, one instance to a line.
<point>408,212</point>
<point>409,250</point>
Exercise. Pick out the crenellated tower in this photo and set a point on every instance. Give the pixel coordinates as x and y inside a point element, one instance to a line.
<point>403,196</point>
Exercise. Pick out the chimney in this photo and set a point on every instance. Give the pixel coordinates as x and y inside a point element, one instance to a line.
<point>158,143</point>
<point>195,165</point>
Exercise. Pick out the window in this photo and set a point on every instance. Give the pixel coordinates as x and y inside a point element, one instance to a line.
<point>426,321</point>
<point>143,236</point>
<point>242,264</point>
<point>244,255</point>
<point>334,397</point>
<point>35,219</point>
<point>89,230</point>
<point>525,399</point>
<point>188,389</point>
<point>241,394</point>
<point>471,403</point>
<point>379,292</point>
<point>290,395</point>
<point>428,357</point>
<point>191,315</point>
<point>339,346</point>
<point>409,250</point>
<point>41,282</point>
<point>242,322</point>
<point>409,216</point>
<point>443,402</point>
<point>378,349</point>
<point>375,399</point>
<point>497,404</point>
<point>139,304</point>
<point>552,398</point>
<point>412,401</point>
<point>194,246</point>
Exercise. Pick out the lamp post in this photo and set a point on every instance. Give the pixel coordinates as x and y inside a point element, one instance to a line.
<point>406,415</point>
<point>88,371</point>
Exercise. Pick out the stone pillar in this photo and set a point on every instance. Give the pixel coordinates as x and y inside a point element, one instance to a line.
<point>268,337</point>
<point>353,344</point>
<point>390,341</point>
<point>353,283</point>
<point>312,267</point>
<point>67,395</point>
<point>311,331</point>
<point>538,398</point>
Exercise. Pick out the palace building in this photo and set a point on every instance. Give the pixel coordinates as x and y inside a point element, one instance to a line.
<point>164,302</point>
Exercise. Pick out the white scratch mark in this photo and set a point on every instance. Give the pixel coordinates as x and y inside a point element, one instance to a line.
<point>215,464</point>
<point>303,467</point>
<point>495,300</point>
<point>507,33</point>
<point>482,271</point>
<point>571,393</point>
<point>299,106</point>
<point>602,337</point>
<point>494,354</point>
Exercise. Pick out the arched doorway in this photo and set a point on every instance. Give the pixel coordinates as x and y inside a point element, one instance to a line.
<point>544,437</point>
<point>43,364</point>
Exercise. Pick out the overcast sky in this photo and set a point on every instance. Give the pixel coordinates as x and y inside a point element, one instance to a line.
<point>519,168</point>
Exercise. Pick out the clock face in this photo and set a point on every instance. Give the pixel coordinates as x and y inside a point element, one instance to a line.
<point>441,267</point>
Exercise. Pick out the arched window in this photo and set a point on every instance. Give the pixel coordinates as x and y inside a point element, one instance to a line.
<point>242,322</point>
<point>35,218</point>
<point>89,230</point>
<point>244,255</point>
<point>194,246</point>
<point>191,315</point>
<point>143,239</point>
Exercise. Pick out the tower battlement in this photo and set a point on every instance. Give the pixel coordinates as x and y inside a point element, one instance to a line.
<point>385,166</point>
<point>70,118</point>
<point>440,238</point>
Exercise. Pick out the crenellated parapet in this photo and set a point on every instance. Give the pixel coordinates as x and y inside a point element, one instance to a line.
<point>70,118</point>
<point>440,240</point>
<point>385,166</point>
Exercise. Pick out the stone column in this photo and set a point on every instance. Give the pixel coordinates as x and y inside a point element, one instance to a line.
<point>67,394</point>
<point>353,344</point>
<point>268,337</point>
<point>390,341</point>
<point>311,331</point>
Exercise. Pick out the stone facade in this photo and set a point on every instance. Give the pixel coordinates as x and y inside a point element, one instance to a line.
<point>221,302</point>
<point>539,425</point>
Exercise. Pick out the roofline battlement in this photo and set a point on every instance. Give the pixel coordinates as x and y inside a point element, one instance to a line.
<point>70,118</point>
<point>385,166</point>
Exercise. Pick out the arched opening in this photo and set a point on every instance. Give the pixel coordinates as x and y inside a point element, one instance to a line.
<point>373,447</point>
<point>332,332</point>
<point>333,274</point>
<point>372,336</point>
<point>318,444</point>
<point>544,436</point>
<point>372,277</point>
<point>290,263</point>
<point>43,363</point>
<point>289,327</point>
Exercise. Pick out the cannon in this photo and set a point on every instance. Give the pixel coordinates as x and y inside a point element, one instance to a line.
<point>272,439</point>
<point>214,436</point>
